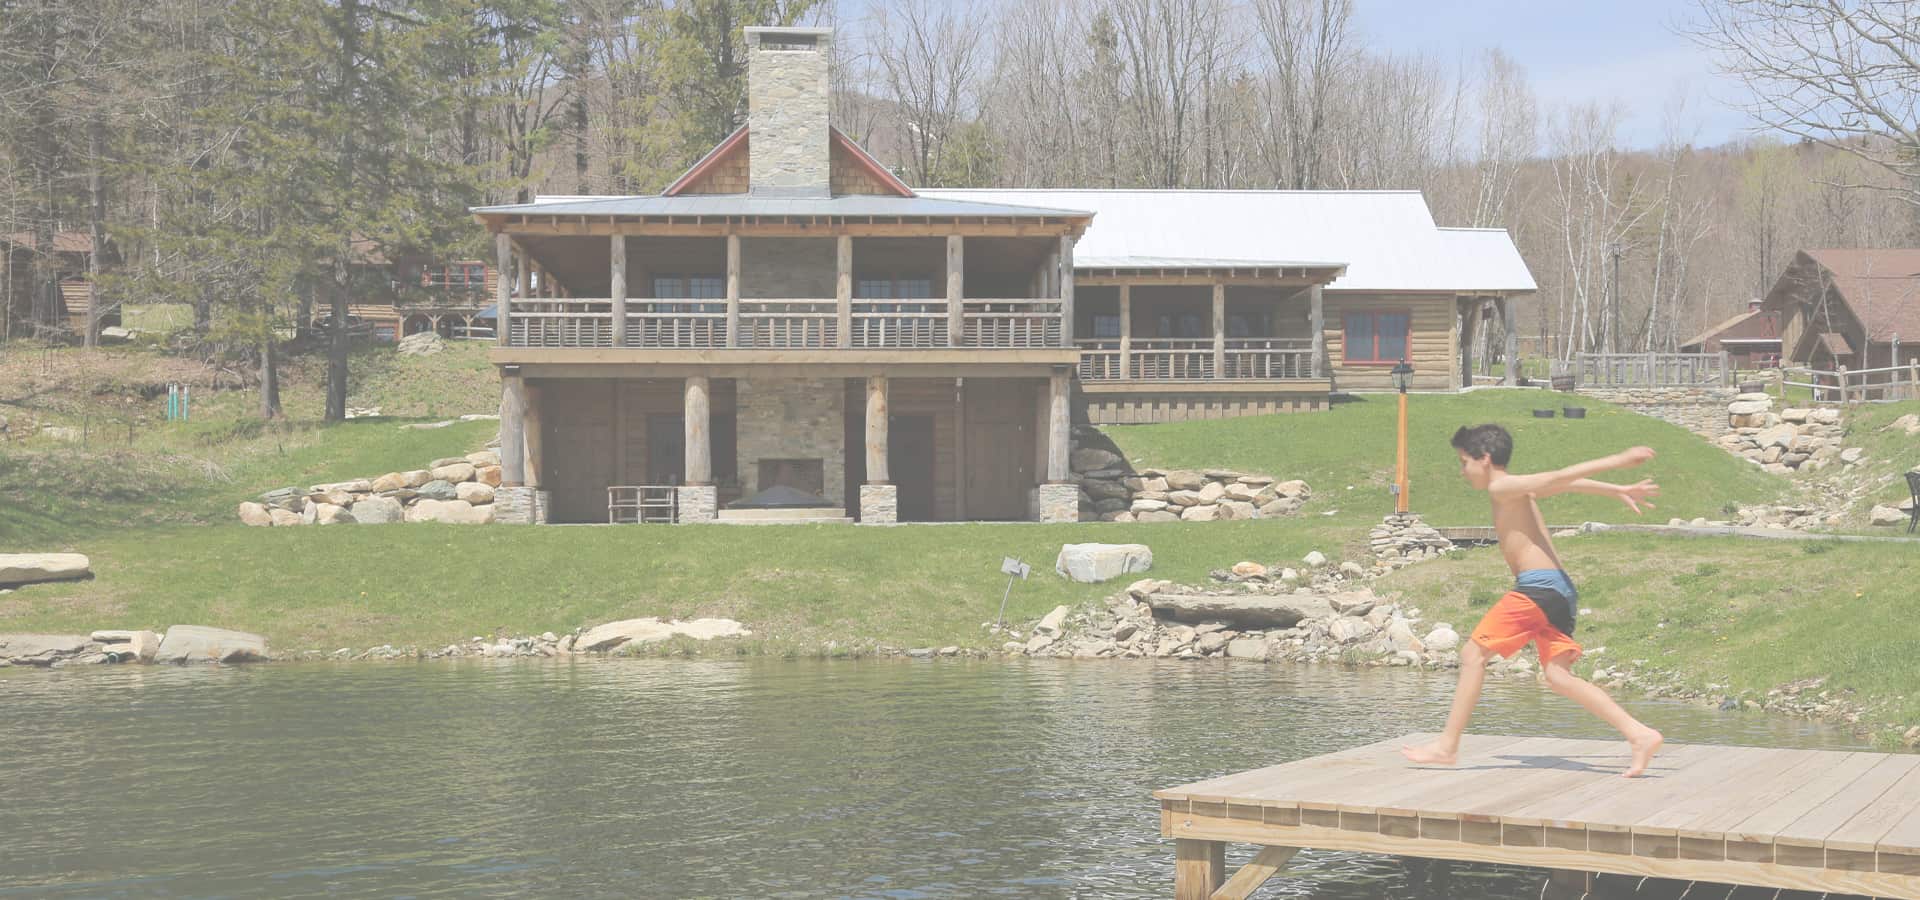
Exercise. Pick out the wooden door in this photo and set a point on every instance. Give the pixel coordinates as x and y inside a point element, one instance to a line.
<point>666,448</point>
<point>578,449</point>
<point>910,461</point>
<point>1000,448</point>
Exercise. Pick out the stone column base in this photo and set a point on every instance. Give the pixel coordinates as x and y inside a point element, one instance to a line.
<point>513,505</point>
<point>698,503</point>
<point>1059,502</point>
<point>879,504</point>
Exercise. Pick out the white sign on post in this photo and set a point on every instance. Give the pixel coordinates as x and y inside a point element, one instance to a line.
<point>1014,567</point>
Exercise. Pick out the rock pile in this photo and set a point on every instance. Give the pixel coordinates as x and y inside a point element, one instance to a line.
<point>424,343</point>
<point>1790,440</point>
<point>1403,538</point>
<point>457,490</point>
<point>1111,491</point>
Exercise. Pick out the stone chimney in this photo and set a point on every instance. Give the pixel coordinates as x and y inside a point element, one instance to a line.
<point>787,90</point>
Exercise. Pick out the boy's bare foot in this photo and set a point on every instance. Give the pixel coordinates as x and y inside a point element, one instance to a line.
<point>1434,754</point>
<point>1644,745</point>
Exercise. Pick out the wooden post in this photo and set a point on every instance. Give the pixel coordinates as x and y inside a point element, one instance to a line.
<point>1199,868</point>
<point>502,288</point>
<point>733,293</point>
<point>1317,320</point>
<point>618,251</point>
<point>1066,290</point>
<point>1219,329</point>
<point>513,434</point>
<point>1059,425</point>
<point>956,290</point>
<point>877,430</point>
<point>1913,378</point>
<point>843,289</point>
<point>535,436</point>
<point>1726,369</point>
<point>699,462</point>
<point>1509,319</point>
<point>1780,383</point>
<point>1126,331</point>
<point>525,274</point>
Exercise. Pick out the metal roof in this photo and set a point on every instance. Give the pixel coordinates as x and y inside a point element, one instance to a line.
<point>1387,239</point>
<point>1179,262</point>
<point>760,205</point>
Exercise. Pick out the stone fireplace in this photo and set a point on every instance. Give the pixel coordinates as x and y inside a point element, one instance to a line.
<point>792,432</point>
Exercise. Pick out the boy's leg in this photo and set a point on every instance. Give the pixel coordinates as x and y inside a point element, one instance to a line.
<point>1445,750</point>
<point>1644,741</point>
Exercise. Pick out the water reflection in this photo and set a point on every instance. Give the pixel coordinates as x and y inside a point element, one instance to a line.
<point>667,778</point>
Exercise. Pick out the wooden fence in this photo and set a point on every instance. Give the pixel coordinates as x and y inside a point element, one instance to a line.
<point>1631,370</point>
<point>1846,388</point>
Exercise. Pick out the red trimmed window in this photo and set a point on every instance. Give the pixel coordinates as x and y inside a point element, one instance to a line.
<point>1377,337</point>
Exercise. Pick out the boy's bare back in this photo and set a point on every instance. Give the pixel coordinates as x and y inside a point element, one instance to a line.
<point>1522,530</point>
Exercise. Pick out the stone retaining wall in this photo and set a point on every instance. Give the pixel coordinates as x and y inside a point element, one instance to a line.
<point>1700,410</point>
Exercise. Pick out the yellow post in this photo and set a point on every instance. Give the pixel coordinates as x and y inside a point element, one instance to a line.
<point>1400,472</point>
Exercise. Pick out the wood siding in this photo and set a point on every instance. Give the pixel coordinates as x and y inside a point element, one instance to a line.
<point>728,175</point>
<point>848,176</point>
<point>1432,341</point>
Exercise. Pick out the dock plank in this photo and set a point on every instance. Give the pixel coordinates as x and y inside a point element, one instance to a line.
<point>1863,832</point>
<point>1813,828</point>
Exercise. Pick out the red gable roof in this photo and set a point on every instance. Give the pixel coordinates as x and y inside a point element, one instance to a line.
<point>1882,287</point>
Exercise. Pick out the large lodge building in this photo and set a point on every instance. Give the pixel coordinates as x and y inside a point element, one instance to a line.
<point>790,333</point>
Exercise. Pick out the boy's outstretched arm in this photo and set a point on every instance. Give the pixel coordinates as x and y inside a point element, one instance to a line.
<point>1633,495</point>
<point>1547,484</point>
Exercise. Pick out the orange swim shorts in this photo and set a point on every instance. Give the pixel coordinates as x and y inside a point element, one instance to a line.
<point>1517,620</point>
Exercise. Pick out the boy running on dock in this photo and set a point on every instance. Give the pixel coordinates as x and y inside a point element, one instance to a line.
<point>1541,607</point>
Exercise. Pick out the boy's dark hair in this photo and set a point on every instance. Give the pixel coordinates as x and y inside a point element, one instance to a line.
<point>1489,441</point>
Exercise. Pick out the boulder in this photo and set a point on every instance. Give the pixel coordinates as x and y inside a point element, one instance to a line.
<point>392,481</point>
<point>1887,515</point>
<point>1184,498</point>
<point>198,643</point>
<point>1283,506</point>
<point>1242,491</point>
<point>33,568</point>
<point>651,629</point>
<point>1052,623</point>
<point>1237,509</point>
<point>1778,436</point>
<point>284,516</point>
<point>439,490</point>
<point>1352,569</point>
<point>1251,612</point>
<point>1441,639</point>
<point>1289,575</point>
<point>1753,397</point>
<point>1402,636</point>
<point>1247,648</point>
<point>488,475</point>
<point>1795,415</point>
<point>1295,488</point>
<point>452,512</point>
<point>1249,569</point>
<point>333,497</point>
<point>415,478</point>
<point>1315,559</point>
<point>1156,483</point>
<point>255,515</point>
<point>1212,491</point>
<point>1213,642</point>
<point>111,636</point>
<point>378,511</point>
<point>455,472</point>
<point>1088,459</point>
<point>1350,629</point>
<point>473,492</point>
<point>284,498</point>
<point>1852,455</point>
<point>1161,516</point>
<point>329,514</point>
<point>1094,563</point>
<point>1748,407</point>
<point>1140,505</point>
<point>1352,603</point>
<point>357,486</point>
<point>1185,480</point>
<point>1200,514</point>
<point>40,648</point>
<point>1824,416</point>
<point>143,646</point>
<point>483,458</point>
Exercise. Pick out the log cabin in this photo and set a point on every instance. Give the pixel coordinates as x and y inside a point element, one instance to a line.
<point>789,332</point>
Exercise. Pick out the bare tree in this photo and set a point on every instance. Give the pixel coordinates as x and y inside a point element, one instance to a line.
<point>1841,73</point>
<point>1307,47</point>
<point>929,55</point>
<point>1509,136</point>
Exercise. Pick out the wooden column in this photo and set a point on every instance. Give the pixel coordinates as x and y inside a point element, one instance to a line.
<point>1469,321</point>
<point>1066,290</point>
<point>1219,329</point>
<point>536,396</point>
<point>733,294</point>
<point>1317,320</point>
<point>1509,318</point>
<point>525,274</point>
<point>502,288</point>
<point>877,430</point>
<point>1059,425</point>
<point>1199,868</point>
<point>699,464</point>
<point>843,289</point>
<point>956,290</point>
<point>618,250</point>
<point>1126,331</point>
<point>513,433</point>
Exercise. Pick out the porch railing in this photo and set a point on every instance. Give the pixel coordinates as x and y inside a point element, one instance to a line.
<point>677,324</point>
<point>900,323</point>
<point>789,324</point>
<point>1161,359</point>
<point>1653,370</point>
<point>554,322</point>
<point>1011,323</point>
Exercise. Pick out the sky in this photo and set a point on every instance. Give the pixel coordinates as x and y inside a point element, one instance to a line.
<point>1575,51</point>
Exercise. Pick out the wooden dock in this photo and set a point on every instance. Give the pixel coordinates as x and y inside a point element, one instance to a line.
<point>1814,820</point>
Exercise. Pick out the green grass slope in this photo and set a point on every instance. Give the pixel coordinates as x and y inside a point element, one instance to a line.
<point>1347,455</point>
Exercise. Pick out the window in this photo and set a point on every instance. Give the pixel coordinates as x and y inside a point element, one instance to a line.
<point>688,287</point>
<point>1377,337</point>
<point>1106,326</point>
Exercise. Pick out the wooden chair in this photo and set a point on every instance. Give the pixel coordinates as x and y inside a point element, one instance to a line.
<point>1913,487</point>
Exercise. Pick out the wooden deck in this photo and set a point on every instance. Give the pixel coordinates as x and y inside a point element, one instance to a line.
<point>1830,821</point>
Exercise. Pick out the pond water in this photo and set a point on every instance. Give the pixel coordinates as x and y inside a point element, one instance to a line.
<point>698,778</point>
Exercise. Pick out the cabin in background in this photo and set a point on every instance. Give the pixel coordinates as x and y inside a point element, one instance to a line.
<point>1854,308</point>
<point>48,309</point>
<point>1751,339</point>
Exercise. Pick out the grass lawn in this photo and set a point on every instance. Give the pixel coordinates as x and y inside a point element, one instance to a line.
<point>1748,615</point>
<point>1347,456</point>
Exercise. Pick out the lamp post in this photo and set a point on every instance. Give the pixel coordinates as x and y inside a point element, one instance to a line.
<point>1402,378</point>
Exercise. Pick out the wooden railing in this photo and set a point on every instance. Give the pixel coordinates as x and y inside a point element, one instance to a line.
<point>1099,360</point>
<point>1848,387</point>
<point>1165,359</point>
<point>1653,370</point>
<point>553,322</point>
<point>1011,323</point>
<point>677,324</point>
<point>900,323</point>
<point>1261,359</point>
<point>1160,359</point>
<point>789,324</point>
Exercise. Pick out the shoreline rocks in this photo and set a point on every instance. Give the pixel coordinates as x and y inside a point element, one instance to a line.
<point>37,568</point>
